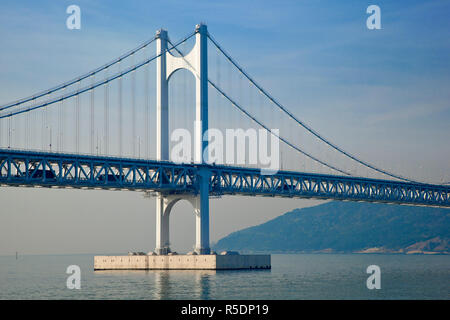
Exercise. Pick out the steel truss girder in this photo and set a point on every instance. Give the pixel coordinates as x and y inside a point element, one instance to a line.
<point>28,168</point>
<point>22,168</point>
<point>225,181</point>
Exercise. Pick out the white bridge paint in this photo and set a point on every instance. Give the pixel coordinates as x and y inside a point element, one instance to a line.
<point>180,262</point>
<point>166,64</point>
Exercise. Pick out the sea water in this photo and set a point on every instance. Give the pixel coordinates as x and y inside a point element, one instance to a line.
<point>293,276</point>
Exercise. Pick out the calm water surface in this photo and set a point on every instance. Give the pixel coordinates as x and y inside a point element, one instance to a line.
<point>296,276</point>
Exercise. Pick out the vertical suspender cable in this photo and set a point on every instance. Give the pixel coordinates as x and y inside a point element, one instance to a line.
<point>92,117</point>
<point>147,107</point>
<point>43,129</point>
<point>27,130</point>
<point>13,133</point>
<point>133,107</point>
<point>47,127</point>
<point>120,113</point>
<point>61,125</point>
<point>9,132</point>
<point>1,133</point>
<point>77,120</point>
<point>250,98</point>
<point>230,90</point>
<point>183,105</point>
<point>106,115</point>
<point>218,98</point>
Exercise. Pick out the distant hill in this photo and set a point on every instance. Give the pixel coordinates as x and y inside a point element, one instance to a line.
<point>348,227</point>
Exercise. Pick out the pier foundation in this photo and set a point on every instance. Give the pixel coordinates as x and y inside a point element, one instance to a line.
<point>182,262</point>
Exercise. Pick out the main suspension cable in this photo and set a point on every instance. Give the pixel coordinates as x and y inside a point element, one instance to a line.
<point>93,86</point>
<point>77,79</point>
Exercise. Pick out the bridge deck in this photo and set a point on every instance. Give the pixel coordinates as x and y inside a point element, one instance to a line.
<point>29,168</point>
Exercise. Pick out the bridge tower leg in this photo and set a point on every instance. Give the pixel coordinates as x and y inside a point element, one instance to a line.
<point>162,139</point>
<point>196,62</point>
<point>201,120</point>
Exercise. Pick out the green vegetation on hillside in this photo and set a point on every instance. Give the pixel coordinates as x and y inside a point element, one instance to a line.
<point>345,227</point>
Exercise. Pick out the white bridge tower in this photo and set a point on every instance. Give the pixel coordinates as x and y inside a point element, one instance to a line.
<point>195,61</point>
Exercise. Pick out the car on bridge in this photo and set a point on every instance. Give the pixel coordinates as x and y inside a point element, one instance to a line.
<point>110,177</point>
<point>284,187</point>
<point>39,174</point>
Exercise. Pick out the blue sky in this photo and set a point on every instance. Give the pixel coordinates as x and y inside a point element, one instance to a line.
<point>382,94</point>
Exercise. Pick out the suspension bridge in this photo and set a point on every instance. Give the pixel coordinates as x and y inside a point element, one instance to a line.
<point>110,129</point>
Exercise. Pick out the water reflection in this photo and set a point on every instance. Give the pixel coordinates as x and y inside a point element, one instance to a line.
<point>179,284</point>
<point>197,283</point>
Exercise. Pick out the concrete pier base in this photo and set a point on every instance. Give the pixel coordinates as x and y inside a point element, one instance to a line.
<point>182,262</point>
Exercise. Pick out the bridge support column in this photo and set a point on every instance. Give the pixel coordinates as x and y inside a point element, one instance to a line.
<point>201,208</point>
<point>201,93</point>
<point>200,202</point>
<point>162,140</point>
<point>162,97</point>
<point>162,225</point>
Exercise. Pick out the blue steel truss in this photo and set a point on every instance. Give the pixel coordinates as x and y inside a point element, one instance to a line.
<point>29,168</point>
<point>25,168</point>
